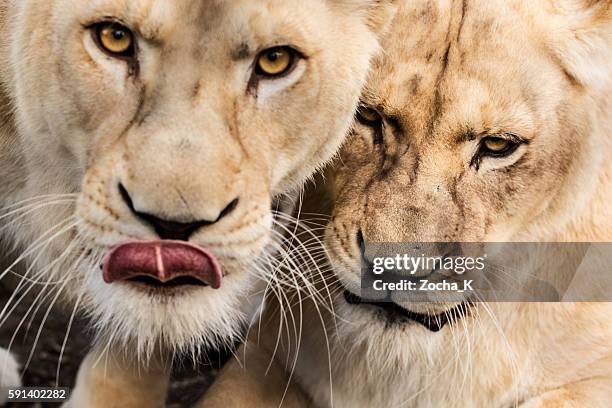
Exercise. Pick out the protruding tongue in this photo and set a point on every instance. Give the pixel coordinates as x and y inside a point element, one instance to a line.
<point>162,260</point>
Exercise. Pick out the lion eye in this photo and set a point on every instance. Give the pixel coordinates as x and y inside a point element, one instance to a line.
<point>115,39</point>
<point>368,116</point>
<point>498,146</point>
<point>275,62</point>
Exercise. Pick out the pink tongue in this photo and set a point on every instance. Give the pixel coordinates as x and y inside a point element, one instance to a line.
<point>163,260</point>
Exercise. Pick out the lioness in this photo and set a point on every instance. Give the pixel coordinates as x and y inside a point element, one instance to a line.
<point>142,143</point>
<point>483,121</point>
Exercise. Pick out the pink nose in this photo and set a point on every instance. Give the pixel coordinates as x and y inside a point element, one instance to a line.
<point>162,260</point>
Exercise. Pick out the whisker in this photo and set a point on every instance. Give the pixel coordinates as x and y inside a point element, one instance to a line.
<point>38,198</point>
<point>65,342</point>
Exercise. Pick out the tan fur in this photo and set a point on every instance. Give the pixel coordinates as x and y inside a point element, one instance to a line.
<point>186,130</point>
<point>453,71</point>
<point>115,382</point>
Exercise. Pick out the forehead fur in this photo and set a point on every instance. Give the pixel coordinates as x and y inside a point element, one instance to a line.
<point>457,65</point>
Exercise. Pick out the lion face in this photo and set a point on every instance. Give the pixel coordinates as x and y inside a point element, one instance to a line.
<point>472,129</point>
<point>179,121</point>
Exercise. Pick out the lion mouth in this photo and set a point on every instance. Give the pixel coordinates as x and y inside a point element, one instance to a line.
<point>176,282</point>
<point>433,322</point>
<point>162,263</point>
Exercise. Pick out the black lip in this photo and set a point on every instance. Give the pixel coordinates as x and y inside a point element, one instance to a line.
<point>177,282</point>
<point>433,323</point>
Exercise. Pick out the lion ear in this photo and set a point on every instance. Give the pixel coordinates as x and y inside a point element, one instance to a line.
<point>582,40</point>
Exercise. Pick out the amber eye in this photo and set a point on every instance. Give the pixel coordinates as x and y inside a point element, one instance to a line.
<point>275,62</point>
<point>115,39</point>
<point>368,116</point>
<point>498,146</point>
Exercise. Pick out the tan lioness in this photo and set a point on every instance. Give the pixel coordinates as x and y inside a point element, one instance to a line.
<point>484,121</point>
<point>141,145</point>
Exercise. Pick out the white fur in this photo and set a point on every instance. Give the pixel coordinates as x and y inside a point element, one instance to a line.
<point>9,374</point>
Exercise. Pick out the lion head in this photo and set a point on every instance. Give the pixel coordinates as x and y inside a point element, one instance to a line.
<point>484,121</point>
<point>135,126</point>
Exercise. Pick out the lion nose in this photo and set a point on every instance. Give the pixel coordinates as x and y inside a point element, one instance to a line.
<point>173,230</point>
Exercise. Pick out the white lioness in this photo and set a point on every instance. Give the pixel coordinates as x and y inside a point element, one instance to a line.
<point>142,143</point>
<point>484,121</point>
